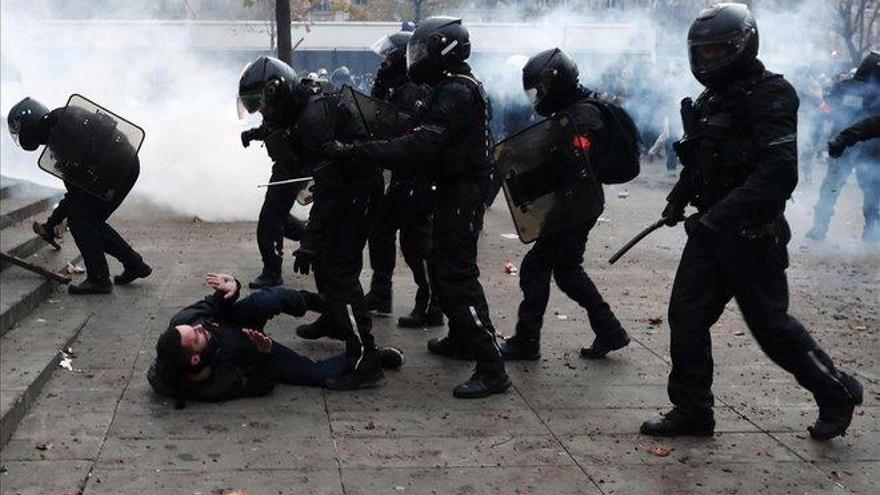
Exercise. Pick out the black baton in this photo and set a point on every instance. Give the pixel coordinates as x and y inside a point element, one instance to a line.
<point>635,240</point>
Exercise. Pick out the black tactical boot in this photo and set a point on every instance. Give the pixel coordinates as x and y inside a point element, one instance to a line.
<point>130,274</point>
<point>483,384</point>
<point>391,358</point>
<point>519,348</point>
<point>418,318</point>
<point>47,233</point>
<point>599,349</point>
<point>446,347</point>
<point>318,329</point>
<point>377,304</point>
<point>368,374</point>
<point>89,286</point>
<point>674,424</point>
<point>266,279</point>
<point>834,418</point>
<point>314,302</point>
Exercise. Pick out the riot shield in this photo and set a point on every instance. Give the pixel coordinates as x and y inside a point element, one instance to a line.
<point>381,119</point>
<point>547,178</point>
<point>92,149</point>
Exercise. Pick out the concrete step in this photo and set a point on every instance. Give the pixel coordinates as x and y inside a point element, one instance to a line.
<point>13,210</point>
<point>29,353</point>
<point>9,187</point>
<point>21,291</point>
<point>19,239</point>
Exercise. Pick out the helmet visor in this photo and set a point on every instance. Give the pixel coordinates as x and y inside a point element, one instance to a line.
<point>532,95</point>
<point>15,131</point>
<point>415,53</point>
<point>716,54</point>
<point>383,47</point>
<point>248,104</point>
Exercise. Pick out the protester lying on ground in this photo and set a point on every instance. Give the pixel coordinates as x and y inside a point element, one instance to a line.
<point>215,350</point>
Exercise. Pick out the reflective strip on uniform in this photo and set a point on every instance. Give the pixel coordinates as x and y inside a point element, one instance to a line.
<point>357,334</point>
<point>428,280</point>
<point>479,324</point>
<point>783,140</point>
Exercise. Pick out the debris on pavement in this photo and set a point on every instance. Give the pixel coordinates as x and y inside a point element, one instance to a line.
<point>603,220</point>
<point>74,269</point>
<point>510,236</point>
<point>46,446</point>
<point>510,268</point>
<point>655,321</point>
<point>658,451</point>
<point>623,195</point>
<point>66,361</point>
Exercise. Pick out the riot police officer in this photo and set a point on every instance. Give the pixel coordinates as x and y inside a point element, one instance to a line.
<point>336,231</point>
<point>550,78</point>
<point>450,144</point>
<point>740,166</point>
<point>405,204</point>
<point>851,100</point>
<point>32,125</point>
<point>275,221</point>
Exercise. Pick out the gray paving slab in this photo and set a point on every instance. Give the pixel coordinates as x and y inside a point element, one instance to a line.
<point>425,451</point>
<point>219,453</point>
<point>632,448</point>
<point>483,480</point>
<point>246,481</point>
<point>717,479</point>
<point>426,422</point>
<point>855,446</point>
<point>603,421</point>
<point>858,477</point>
<point>193,423</point>
<point>43,477</point>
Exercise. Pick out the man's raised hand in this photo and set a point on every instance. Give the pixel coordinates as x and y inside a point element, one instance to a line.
<point>223,283</point>
<point>261,340</point>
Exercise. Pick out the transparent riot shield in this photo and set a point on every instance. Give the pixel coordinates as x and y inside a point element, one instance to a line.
<point>381,119</point>
<point>547,178</point>
<point>92,148</point>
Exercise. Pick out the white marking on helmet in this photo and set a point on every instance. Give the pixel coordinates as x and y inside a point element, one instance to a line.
<point>449,47</point>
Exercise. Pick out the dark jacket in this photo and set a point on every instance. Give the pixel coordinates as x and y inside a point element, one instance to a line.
<point>740,152</point>
<point>450,143</point>
<point>238,369</point>
<point>862,130</point>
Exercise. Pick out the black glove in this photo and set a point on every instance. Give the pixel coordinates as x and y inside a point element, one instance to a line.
<point>336,150</point>
<point>673,213</point>
<point>836,147</point>
<point>303,261</point>
<point>699,226</point>
<point>246,138</point>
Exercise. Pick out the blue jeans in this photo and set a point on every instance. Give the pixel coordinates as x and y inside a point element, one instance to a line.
<point>291,368</point>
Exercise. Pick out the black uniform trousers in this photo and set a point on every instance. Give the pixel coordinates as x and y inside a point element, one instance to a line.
<point>87,218</point>
<point>338,265</point>
<point>714,268</point>
<point>405,206</point>
<point>458,220</point>
<point>561,256</point>
<point>275,221</point>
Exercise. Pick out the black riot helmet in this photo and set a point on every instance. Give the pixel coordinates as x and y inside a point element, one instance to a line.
<point>267,81</point>
<point>722,43</point>
<point>23,120</point>
<point>549,79</point>
<point>437,45</point>
<point>869,69</point>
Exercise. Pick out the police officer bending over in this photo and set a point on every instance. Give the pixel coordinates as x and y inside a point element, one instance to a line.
<point>450,144</point>
<point>215,349</point>
<point>73,132</point>
<point>740,166</point>
<point>551,80</point>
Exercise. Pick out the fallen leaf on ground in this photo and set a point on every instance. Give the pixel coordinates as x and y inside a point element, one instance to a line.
<point>46,446</point>
<point>658,451</point>
<point>655,321</point>
<point>510,268</point>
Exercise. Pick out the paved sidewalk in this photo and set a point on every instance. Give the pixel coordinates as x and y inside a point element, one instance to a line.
<point>568,426</point>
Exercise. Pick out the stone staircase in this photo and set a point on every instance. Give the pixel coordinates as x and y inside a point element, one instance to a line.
<point>37,318</point>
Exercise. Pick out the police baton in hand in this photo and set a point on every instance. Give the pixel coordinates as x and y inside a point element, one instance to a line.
<point>635,240</point>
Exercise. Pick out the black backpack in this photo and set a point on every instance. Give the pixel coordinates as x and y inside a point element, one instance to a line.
<point>619,161</point>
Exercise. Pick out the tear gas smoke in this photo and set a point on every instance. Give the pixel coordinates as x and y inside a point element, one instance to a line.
<point>193,162</point>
